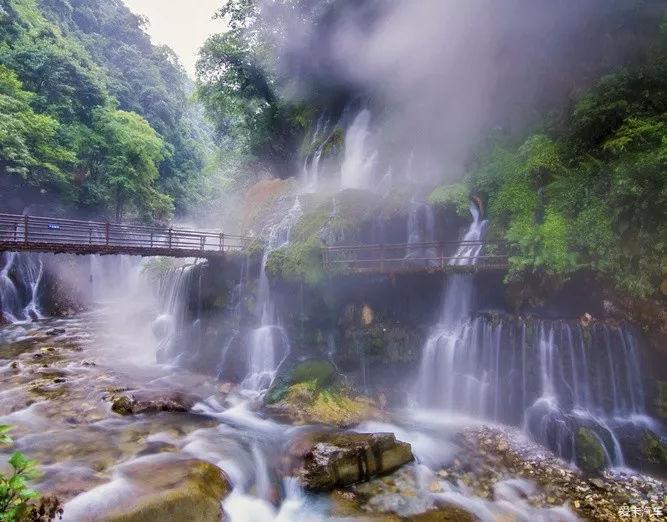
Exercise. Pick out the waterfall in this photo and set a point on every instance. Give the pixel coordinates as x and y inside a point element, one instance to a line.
<point>310,171</point>
<point>552,377</point>
<point>420,229</point>
<point>549,376</point>
<point>358,162</point>
<point>269,343</point>
<point>437,374</point>
<point>20,277</point>
<point>173,323</point>
<point>8,294</point>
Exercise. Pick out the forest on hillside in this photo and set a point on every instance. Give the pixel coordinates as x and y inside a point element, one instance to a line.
<point>95,119</point>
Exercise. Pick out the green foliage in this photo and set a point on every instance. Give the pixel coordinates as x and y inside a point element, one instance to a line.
<point>72,74</point>
<point>240,79</point>
<point>28,142</point>
<point>15,495</point>
<point>298,261</point>
<point>455,197</point>
<point>593,198</point>
<point>127,153</point>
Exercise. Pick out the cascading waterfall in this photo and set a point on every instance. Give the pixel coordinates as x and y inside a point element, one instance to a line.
<point>20,277</point>
<point>172,322</point>
<point>421,229</point>
<point>434,387</point>
<point>8,294</point>
<point>359,161</point>
<point>269,343</point>
<point>311,163</point>
<point>549,376</point>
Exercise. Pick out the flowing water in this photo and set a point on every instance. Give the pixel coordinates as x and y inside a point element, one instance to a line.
<point>20,277</point>
<point>269,343</point>
<point>359,159</point>
<point>478,365</point>
<point>549,376</point>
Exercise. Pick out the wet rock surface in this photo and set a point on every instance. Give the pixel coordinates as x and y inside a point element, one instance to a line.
<point>324,460</point>
<point>55,389</point>
<point>153,401</point>
<point>163,488</point>
<point>492,455</point>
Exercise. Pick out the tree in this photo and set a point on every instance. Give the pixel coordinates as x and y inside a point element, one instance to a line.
<point>28,140</point>
<point>124,159</point>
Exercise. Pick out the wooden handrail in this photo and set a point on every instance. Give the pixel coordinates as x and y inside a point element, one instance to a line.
<point>52,234</point>
<point>411,257</point>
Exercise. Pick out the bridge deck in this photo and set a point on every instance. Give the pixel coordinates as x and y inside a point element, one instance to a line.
<point>444,256</point>
<point>56,235</point>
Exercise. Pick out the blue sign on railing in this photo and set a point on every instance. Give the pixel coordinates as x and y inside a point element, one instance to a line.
<point>53,226</point>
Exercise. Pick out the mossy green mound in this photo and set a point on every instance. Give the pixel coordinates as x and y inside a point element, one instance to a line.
<point>590,453</point>
<point>311,393</point>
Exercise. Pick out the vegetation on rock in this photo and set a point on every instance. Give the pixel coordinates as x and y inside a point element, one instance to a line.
<point>590,455</point>
<point>312,392</point>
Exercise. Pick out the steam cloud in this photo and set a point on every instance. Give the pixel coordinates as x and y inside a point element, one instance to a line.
<point>445,72</point>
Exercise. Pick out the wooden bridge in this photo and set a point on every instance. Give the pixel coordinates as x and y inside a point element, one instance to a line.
<point>19,233</point>
<point>443,256</point>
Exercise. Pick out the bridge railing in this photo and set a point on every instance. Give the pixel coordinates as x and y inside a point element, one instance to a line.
<point>416,257</point>
<point>33,231</point>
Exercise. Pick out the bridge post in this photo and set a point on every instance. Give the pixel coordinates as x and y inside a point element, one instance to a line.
<point>90,235</point>
<point>442,256</point>
<point>25,228</point>
<point>106,233</point>
<point>382,257</point>
<point>222,241</point>
<point>170,237</point>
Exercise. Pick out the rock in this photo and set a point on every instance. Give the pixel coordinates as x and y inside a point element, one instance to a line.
<point>324,460</point>
<point>443,514</point>
<point>598,483</point>
<point>152,401</point>
<point>55,331</point>
<point>586,319</point>
<point>590,454</point>
<point>159,487</point>
<point>643,449</point>
<point>319,373</point>
<point>310,393</point>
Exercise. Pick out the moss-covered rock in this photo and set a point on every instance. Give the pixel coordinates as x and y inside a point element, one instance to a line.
<point>317,373</point>
<point>324,460</point>
<point>311,392</point>
<point>297,261</point>
<point>653,449</point>
<point>161,487</point>
<point>590,453</point>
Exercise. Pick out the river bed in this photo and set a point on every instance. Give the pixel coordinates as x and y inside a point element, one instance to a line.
<point>58,377</point>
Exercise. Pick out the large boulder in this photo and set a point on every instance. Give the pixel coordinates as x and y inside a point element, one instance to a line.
<point>159,487</point>
<point>324,460</point>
